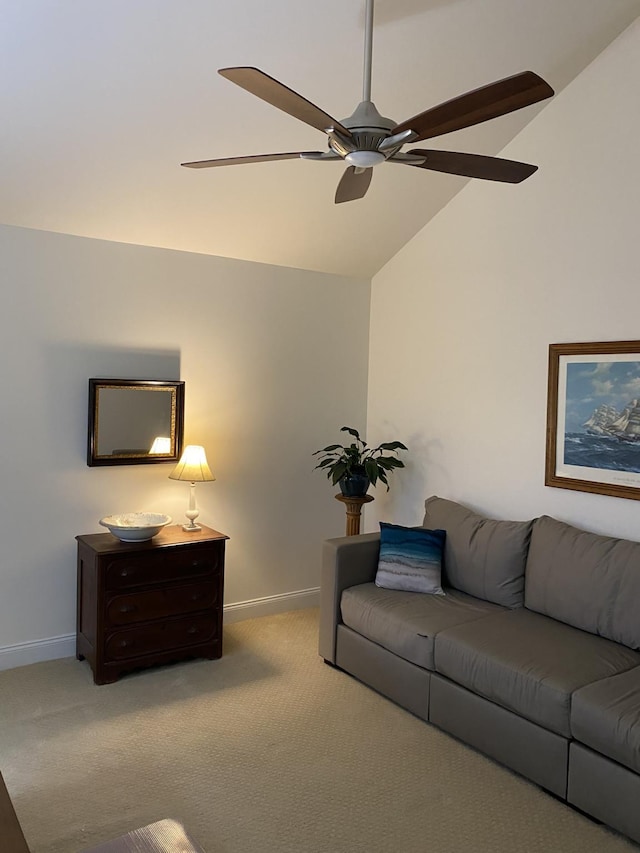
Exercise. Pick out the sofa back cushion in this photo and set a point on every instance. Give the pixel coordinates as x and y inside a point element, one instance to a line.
<point>591,582</point>
<point>482,557</point>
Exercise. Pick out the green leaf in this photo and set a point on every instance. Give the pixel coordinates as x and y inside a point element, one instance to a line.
<point>385,463</point>
<point>355,434</point>
<point>324,463</point>
<point>383,478</point>
<point>327,449</point>
<point>338,472</point>
<point>393,445</point>
<point>371,470</point>
<point>351,431</point>
<point>390,462</point>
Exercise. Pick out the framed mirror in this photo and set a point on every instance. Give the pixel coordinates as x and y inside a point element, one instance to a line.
<point>135,421</point>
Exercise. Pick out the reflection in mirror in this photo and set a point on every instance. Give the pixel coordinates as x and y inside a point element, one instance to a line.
<point>134,421</point>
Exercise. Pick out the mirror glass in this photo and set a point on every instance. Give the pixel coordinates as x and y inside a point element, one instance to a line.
<point>135,421</point>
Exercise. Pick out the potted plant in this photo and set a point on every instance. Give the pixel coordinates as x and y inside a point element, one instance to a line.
<point>355,466</point>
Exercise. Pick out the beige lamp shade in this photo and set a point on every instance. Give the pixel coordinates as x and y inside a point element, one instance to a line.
<point>192,466</point>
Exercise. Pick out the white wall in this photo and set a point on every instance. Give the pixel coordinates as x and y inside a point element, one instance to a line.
<point>463,316</point>
<point>274,361</point>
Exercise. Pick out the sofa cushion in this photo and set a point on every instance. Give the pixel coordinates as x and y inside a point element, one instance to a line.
<point>410,559</point>
<point>606,717</point>
<point>591,582</point>
<point>528,663</point>
<point>482,557</point>
<point>406,623</point>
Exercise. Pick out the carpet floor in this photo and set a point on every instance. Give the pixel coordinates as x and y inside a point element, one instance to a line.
<point>265,750</point>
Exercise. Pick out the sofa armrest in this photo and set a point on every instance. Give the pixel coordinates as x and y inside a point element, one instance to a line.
<point>346,561</point>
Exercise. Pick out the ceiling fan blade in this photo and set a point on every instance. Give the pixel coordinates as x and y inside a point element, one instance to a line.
<point>487,102</point>
<point>473,165</point>
<point>280,96</point>
<point>353,184</point>
<point>252,158</point>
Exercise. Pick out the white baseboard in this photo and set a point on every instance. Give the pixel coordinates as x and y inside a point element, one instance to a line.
<point>35,651</point>
<point>272,604</point>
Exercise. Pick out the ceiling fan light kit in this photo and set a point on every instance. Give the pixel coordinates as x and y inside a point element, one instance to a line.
<point>366,139</point>
<point>365,159</point>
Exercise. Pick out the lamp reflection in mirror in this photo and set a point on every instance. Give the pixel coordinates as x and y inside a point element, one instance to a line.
<point>161,444</point>
<point>193,468</point>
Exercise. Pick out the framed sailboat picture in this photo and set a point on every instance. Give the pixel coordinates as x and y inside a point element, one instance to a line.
<point>593,418</point>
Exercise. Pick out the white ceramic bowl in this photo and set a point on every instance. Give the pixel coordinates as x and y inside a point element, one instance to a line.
<point>135,526</point>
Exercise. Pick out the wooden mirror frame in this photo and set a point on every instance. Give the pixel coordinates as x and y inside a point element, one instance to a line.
<point>621,481</point>
<point>133,456</point>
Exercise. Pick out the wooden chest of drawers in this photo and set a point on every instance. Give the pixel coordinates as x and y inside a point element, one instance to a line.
<point>147,603</point>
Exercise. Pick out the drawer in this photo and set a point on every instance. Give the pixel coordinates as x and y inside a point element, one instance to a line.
<point>150,567</point>
<point>134,607</point>
<point>161,636</point>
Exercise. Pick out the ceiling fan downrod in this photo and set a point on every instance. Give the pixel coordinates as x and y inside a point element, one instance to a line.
<point>368,51</point>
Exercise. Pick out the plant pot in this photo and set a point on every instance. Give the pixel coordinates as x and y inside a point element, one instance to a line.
<point>355,486</point>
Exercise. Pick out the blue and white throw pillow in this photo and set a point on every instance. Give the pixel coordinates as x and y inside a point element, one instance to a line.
<point>410,559</point>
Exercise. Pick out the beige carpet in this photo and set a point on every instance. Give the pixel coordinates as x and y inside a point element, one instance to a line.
<point>266,750</point>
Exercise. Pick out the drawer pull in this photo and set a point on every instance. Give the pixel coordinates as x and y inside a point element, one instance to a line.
<point>196,596</point>
<point>124,573</point>
<point>124,644</point>
<point>128,608</point>
<point>192,630</point>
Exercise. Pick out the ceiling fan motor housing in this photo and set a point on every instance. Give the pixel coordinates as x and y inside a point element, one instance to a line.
<point>368,129</point>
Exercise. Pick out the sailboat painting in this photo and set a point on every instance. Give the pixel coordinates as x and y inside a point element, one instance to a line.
<point>593,418</point>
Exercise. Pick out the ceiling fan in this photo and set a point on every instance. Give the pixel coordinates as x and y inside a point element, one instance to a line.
<point>365,139</point>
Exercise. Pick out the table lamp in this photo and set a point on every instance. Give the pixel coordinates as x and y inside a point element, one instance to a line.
<point>193,468</point>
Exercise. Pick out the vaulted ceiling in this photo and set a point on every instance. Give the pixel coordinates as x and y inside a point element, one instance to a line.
<point>101,101</point>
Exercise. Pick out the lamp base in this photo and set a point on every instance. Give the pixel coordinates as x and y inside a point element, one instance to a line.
<point>191,528</point>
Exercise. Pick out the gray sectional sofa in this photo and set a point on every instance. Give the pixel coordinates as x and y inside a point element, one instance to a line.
<point>532,655</point>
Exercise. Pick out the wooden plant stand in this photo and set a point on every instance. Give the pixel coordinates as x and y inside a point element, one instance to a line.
<point>354,508</point>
